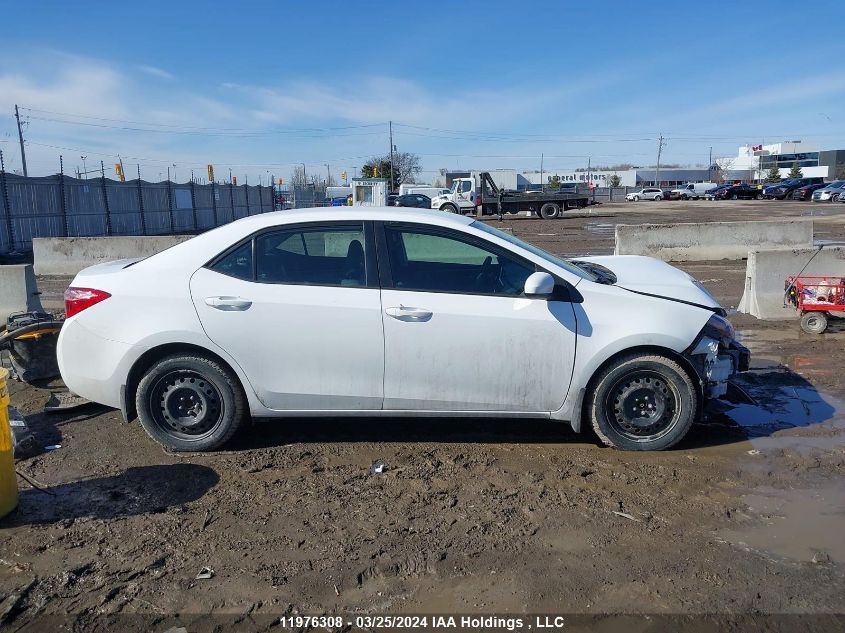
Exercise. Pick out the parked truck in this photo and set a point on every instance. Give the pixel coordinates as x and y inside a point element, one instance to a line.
<point>479,192</point>
<point>426,190</point>
<point>693,190</point>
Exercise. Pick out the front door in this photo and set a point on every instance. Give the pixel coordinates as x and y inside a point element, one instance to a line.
<point>298,308</point>
<point>460,335</point>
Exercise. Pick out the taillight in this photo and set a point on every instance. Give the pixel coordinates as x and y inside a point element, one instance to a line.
<point>78,299</point>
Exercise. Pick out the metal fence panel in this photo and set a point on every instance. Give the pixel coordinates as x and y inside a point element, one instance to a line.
<point>156,208</point>
<point>85,208</point>
<point>62,206</point>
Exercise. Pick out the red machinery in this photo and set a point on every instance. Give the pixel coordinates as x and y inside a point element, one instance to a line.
<point>816,298</point>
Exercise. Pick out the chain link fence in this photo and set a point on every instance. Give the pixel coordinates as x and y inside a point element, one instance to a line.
<point>62,206</point>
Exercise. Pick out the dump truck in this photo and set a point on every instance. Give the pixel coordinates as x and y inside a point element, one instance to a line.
<point>479,193</point>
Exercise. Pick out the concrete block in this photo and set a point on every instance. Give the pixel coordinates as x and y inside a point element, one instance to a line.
<point>69,255</point>
<point>767,271</point>
<point>710,240</point>
<point>18,290</point>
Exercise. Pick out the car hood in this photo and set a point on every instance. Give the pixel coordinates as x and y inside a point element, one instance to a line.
<point>649,276</point>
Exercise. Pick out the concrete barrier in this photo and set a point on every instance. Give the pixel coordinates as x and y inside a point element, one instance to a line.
<point>711,240</point>
<point>18,290</point>
<point>767,270</point>
<point>69,255</point>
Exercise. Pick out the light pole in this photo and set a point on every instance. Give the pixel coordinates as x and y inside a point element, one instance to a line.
<point>84,167</point>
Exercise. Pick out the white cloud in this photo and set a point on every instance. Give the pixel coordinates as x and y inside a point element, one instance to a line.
<point>155,72</point>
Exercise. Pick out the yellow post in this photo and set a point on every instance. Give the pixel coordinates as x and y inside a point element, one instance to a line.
<point>8,482</point>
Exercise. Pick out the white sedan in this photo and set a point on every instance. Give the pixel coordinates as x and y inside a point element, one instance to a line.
<point>392,312</point>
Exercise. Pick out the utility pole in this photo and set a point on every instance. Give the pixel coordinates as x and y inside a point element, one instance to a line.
<point>710,165</point>
<point>328,175</point>
<point>391,156</point>
<point>542,183</point>
<point>660,146</point>
<point>20,137</point>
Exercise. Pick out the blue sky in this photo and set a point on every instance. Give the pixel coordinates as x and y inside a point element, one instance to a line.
<point>260,86</point>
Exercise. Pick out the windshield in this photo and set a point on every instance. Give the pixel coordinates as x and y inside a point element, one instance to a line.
<point>455,186</point>
<point>836,184</point>
<point>566,265</point>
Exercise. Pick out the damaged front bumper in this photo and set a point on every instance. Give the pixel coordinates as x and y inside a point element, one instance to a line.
<point>716,356</point>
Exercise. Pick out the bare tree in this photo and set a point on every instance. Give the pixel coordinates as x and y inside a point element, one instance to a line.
<point>722,168</point>
<point>406,167</point>
<point>299,177</point>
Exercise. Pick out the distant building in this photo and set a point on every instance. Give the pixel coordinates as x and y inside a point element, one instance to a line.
<point>753,161</point>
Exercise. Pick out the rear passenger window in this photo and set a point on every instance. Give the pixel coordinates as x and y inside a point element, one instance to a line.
<point>321,256</point>
<point>236,264</point>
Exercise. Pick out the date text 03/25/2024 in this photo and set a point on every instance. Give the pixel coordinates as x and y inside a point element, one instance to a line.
<point>428,622</point>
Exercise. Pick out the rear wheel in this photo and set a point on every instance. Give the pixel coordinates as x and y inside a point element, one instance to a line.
<point>642,402</point>
<point>549,211</point>
<point>190,403</point>
<point>734,197</point>
<point>814,322</point>
<point>658,197</point>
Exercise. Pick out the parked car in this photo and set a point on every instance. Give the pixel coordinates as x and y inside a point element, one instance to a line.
<point>670,194</point>
<point>831,192</point>
<point>806,192</point>
<point>710,194</point>
<point>738,192</point>
<point>783,190</point>
<point>392,312</point>
<point>413,200</point>
<point>391,199</point>
<point>647,193</point>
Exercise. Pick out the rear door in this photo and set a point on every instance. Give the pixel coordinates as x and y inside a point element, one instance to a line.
<point>299,309</point>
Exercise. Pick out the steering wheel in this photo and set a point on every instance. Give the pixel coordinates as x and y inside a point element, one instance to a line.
<point>486,277</point>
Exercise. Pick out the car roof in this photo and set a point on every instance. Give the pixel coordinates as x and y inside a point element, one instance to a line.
<point>332,214</point>
<point>197,250</point>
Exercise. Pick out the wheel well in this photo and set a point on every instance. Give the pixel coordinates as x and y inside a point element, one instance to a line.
<point>642,349</point>
<point>151,356</point>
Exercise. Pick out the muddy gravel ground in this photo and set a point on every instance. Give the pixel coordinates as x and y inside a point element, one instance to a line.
<point>745,516</point>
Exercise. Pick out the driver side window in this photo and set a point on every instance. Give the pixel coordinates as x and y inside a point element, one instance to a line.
<point>445,262</point>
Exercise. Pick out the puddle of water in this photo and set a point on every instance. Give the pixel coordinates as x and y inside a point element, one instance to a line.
<point>803,525</point>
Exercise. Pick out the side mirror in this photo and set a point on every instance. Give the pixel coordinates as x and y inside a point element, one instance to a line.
<point>539,285</point>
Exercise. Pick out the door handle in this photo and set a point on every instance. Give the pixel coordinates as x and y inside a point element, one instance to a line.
<point>408,314</point>
<point>228,304</point>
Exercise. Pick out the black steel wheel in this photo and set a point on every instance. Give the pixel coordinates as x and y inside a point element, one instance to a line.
<point>642,402</point>
<point>190,403</point>
<point>641,405</point>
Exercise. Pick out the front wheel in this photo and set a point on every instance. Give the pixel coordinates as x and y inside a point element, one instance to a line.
<point>759,196</point>
<point>190,403</point>
<point>734,197</point>
<point>642,402</point>
<point>814,322</point>
<point>449,208</point>
<point>636,198</point>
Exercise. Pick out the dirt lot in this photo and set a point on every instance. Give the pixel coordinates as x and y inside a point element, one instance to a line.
<point>746,516</point>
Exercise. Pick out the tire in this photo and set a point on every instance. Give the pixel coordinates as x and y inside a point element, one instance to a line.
<point>642,380</point>
<point>684,197</point>
<point>449,208</point>
<point>734,197</point>
<point>176,382</point>
<point>814,322</point>
<point>549,211</point>
<point>636,198</point>
<point>658,198</point>
<point>759,196</point>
